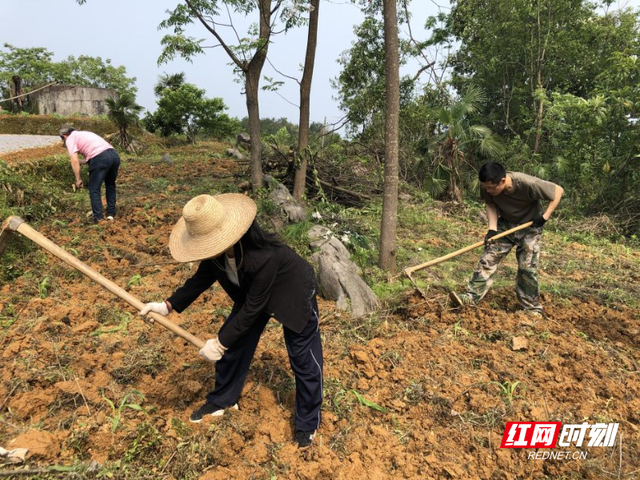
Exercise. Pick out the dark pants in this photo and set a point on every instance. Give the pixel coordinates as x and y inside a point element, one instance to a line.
<point>103,168</point>
<point>305,357</point>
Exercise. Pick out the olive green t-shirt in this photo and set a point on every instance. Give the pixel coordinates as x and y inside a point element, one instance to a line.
<point>522,203</point>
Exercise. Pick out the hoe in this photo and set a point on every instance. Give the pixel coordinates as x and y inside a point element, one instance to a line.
<point>16,224</point>
<point>409,270</point>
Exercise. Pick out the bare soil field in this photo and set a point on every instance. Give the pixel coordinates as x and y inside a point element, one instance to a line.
<point>91,389</point>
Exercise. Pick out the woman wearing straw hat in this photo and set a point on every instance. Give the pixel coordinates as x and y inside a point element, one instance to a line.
<point>265,279</point>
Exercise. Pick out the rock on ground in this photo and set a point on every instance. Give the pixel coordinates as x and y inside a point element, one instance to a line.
<point>243,139</point>
<point>338,276</point>
<point>282,198</point>
<point>235,154</point>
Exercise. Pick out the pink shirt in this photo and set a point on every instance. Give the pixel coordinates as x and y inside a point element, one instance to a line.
<point>88,144</point>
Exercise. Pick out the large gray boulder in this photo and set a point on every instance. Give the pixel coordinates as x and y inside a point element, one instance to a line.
<point>338,277</point>
<point>281,197</point>
<point>235,154</point>
<point>243,139</point>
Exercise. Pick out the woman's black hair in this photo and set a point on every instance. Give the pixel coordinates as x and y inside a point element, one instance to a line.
<point>256,238</point>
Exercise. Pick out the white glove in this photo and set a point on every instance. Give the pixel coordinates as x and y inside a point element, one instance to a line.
<point>212,350</point>
<point>157,307</point>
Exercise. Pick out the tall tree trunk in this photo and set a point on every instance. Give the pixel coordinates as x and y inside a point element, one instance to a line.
<point>124,137</point>
<point>251,72</point>
<point>253,111</point>
<point>16,91</point>
<point>542,49</point>
<point>305,96</point>
<point>387,260</point>
<point>539,119</point>
<point>252,88</point>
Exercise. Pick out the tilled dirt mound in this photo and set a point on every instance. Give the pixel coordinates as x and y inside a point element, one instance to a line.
<point>437,375</point>
<point>15,157</point>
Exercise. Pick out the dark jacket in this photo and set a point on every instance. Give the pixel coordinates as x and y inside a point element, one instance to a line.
<point>273,281</point>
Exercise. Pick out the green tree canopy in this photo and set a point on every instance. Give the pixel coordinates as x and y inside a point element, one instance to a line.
<point>561,79</point>
<point>361,83</point>
<point>184,109</point>
<point>518,51</point>
<point>36,67</point>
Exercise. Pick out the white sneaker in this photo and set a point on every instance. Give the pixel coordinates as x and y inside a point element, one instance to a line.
<point>109,218</point>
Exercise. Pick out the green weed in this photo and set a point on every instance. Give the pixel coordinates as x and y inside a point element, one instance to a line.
<point>43,287</point>
<point>135,280</point>
<point>146,359</point>
<point>8,316</point>
<point>508,390</point>
<point>152,219</point>
<point>147,440</point>
<point>78,443</point>
<point>106,314</point>
<point>266,207</point>
<point>159,184</point>
<point>222,311</point>
<point>295,235</point>
<point>458,330</point>
<point>117,411</point>
<point>544,335</point>
<point>415,393</point>
<point>402,432</point>
<point>336,394</point>
<point>122,326</point>
<point>367,403</point>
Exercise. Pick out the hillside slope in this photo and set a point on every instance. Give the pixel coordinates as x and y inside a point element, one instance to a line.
<point>413,391</point>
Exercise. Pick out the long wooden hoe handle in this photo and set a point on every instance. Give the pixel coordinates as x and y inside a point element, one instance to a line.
<point>409,270</point>
<point>19,225</point>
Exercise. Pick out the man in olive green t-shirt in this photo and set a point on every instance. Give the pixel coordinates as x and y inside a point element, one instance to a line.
<point>511,199</point>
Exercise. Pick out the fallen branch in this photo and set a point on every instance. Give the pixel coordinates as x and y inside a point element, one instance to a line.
<point>9,396</point>
<point>360,196</point>
<point>33,471</point>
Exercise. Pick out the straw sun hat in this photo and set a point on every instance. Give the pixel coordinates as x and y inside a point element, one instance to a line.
<point>210,225</point>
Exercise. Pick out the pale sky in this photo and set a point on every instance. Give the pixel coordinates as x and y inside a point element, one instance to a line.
<point>126,31</point>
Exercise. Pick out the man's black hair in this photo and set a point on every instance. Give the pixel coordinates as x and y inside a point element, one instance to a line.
<point>256,238</point>
<point>492,172</point>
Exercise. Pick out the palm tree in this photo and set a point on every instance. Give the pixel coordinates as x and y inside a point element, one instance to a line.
<point>455,140</point>
<point>124,113</point>
<point>171,81</point>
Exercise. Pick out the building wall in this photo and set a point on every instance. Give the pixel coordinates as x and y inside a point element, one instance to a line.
<point>71,100</point>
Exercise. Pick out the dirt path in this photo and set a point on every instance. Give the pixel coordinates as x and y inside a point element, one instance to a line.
<point>14,143</point>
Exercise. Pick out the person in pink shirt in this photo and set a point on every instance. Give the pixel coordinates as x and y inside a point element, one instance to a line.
<point>103,163</point>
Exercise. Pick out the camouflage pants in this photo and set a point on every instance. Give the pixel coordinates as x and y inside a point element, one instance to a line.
<point>527,243</point>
